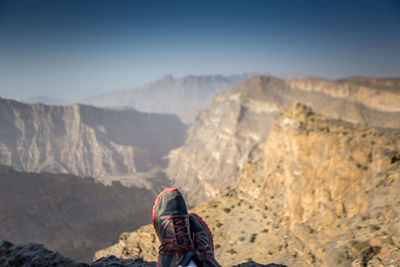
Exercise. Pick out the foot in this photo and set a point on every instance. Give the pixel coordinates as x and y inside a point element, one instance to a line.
<point>203,240</point>
<point>171,223</point>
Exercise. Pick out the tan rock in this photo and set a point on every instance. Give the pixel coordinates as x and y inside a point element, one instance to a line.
<point>324,194</point>
<point>234,130</point>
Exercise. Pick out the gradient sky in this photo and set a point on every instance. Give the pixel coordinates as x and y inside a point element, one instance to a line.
<point>80,48</point>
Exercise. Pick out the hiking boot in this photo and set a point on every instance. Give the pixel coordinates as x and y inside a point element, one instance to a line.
<point>171,223</point>
<point>203,240</point>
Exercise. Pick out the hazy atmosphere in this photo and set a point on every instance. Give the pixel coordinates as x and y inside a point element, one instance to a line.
<point>75,49</point>
<point>222,133</point>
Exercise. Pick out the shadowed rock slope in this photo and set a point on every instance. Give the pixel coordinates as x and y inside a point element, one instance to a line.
<point>38,255</point>
<point>86,141</point>
<point>325,193</point>
<point>183,97</point>
<point>232,131</point>
<point>72,215</point>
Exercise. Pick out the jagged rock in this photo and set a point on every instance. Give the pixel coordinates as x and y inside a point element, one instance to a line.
<point>140,243</point>
<point>325,193</point>
<point>233,130</point>
<point>114,261</point>
<point>37,255</point>
<point>87,141</point>
<point>255,264</point>
<point>319,177</point>
<point>32,255</point>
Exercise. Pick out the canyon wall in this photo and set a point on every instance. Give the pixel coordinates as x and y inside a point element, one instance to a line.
<point>86,141</point>
<point>235,127</point>
<point>324,193</point>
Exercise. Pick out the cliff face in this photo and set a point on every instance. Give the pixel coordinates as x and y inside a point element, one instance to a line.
<point>379,94</point>
<point>72,215</point>
<point>325,192</point>
<point>84,140</point>
<point>183,97</point>
<point>331,186</point>
<point>234,129</point>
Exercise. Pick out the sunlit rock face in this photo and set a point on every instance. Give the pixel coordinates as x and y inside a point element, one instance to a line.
<point>332,187</point>
<point>84,140</point>
<point>183,97</point>
<point>236,126</point>
<point>324,192</point>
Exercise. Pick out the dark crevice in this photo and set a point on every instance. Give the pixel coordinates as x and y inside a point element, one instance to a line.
<point>368,254</point>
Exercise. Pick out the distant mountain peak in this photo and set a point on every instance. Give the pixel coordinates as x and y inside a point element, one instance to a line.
<point>47,100</point>
<point>167,78</point>
<point>184,96</point>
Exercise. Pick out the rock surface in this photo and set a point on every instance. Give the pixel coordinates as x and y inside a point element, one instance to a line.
<point>38,255</point>
<point>233,130</point>
<point>87,141</point>
<point>325,193</point>
<point>72,215</point>
<point>183,97</point>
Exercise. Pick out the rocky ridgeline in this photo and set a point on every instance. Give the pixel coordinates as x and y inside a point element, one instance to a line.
<point>86,141</point>
<point>183,96</point>
<point>37,255</point>
<point>234,129</point>
<point>324,193</point>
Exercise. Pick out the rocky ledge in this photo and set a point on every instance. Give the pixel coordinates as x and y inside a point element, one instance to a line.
<point>37,255</point>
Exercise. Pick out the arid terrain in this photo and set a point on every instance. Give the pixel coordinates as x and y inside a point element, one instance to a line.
<point>324,193</point>
<point>234,129</point>
<point>278,121</point>
<point>297,172</point>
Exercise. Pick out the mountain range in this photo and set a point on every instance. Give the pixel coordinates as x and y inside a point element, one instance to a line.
<point>272,182</point>
<point>183,97</point>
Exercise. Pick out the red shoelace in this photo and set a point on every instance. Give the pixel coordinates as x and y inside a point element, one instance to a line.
<point>180,242</point>
<point>204,249</point>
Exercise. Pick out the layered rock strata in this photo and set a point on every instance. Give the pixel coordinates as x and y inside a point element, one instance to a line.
<point>232,131</point>
<point>325,193</point>
<point>86,141</point>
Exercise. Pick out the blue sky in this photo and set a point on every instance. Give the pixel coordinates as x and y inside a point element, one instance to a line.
<point>80,48</point>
